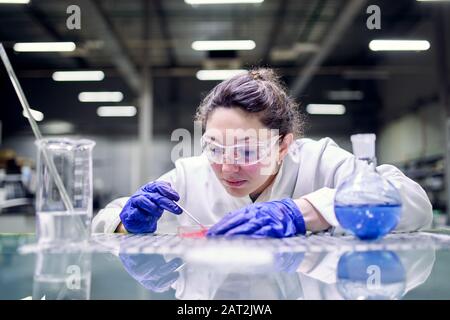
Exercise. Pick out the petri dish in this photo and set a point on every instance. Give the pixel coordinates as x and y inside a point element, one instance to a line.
<point>192,232</point>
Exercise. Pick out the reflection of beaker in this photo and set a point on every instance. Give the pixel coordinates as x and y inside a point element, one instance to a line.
<point>72,160</point>
<point>371,275</point>
<point>62,276</point>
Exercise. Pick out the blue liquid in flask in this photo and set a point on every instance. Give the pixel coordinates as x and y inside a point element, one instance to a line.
<point>369,222</point>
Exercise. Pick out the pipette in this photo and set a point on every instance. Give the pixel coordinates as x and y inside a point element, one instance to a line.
<point>34,127</point>
<point>192,217</point>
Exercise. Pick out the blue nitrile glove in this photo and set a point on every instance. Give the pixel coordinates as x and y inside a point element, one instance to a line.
<point>145,207</point>
<point>275,219</point>
<point>151,270</point>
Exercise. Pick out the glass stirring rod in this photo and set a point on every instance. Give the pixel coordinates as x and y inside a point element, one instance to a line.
<point>191,216</point>
<point>34,127</point>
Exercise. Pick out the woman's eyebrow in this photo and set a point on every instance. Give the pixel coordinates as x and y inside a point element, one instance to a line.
<point>236,140</point>
<point>213,139</point>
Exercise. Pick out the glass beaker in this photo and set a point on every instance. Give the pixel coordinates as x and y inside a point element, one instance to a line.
<point>57,222</point>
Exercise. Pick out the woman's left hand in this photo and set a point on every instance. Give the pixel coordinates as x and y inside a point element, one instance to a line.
<point>277,219</point>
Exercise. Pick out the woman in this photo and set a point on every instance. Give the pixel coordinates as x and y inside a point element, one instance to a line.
<point>261,184</point>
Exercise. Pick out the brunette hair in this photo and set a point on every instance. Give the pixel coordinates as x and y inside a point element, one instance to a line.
<point>257,91</point>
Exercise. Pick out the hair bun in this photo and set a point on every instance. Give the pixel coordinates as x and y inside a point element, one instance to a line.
<point>263,74</point>
<point>255,75</point>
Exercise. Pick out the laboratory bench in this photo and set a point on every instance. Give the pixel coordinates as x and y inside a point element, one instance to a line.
<point>165,266</point>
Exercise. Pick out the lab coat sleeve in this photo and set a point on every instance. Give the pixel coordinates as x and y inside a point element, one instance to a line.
<point>108,219</point>
<point>334,165</point>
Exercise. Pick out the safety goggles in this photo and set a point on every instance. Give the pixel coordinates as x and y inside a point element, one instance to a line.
<point>246,153</point>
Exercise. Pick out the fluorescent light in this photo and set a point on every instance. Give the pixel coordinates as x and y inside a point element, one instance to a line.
<point>399,45</point>
<point>37,115</point>
<point>101,96</point>
<point>116,111</point>
<point>326,109</point>
<point>78,75</point>
<point>223,45</point>
<point>206,75</point>
<point>195,2</point>
<point>14,1</point>
<point>57,127</point>
<point>44,46</point>
<point>345,95</point>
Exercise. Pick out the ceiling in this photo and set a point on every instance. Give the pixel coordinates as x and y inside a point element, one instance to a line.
<point>121,37</point>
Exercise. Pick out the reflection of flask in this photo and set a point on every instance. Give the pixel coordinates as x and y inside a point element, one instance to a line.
<point>367,204</point>
<point>371,275</point>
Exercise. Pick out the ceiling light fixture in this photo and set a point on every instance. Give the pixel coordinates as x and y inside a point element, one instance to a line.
<point>197,2</point>
<point>326,109</point>
<point>100,96</point>
<point>44,46</point>
<point>116,111</point>
<point>399,45</point>
<point>212,75</point>
<point>223,45</point>
<point>78,75</point>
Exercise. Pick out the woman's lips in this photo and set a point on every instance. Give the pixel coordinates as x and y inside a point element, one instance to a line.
<point>234,183</point>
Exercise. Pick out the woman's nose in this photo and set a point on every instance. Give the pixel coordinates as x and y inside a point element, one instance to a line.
<point>230,167</point>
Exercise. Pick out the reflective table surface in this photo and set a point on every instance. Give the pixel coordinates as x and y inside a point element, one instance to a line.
<point>113,266</point>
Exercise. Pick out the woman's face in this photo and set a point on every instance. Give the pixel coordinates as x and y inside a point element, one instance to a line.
<point>231,126</point>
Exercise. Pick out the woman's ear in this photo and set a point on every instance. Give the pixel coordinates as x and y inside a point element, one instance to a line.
<point>284,145</point>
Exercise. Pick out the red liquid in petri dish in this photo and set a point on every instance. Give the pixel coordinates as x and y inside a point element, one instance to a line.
<point>192,232</point>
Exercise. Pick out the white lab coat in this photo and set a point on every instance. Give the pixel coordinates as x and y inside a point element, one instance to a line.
<point>312,169</point>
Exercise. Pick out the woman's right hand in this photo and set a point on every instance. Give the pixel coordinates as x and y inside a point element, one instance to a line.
<point>144,208</point>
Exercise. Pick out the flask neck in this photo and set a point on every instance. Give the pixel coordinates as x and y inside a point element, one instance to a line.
<point>365,164</point>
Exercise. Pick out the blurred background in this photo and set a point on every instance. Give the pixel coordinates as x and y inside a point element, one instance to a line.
<point>149,63</point>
